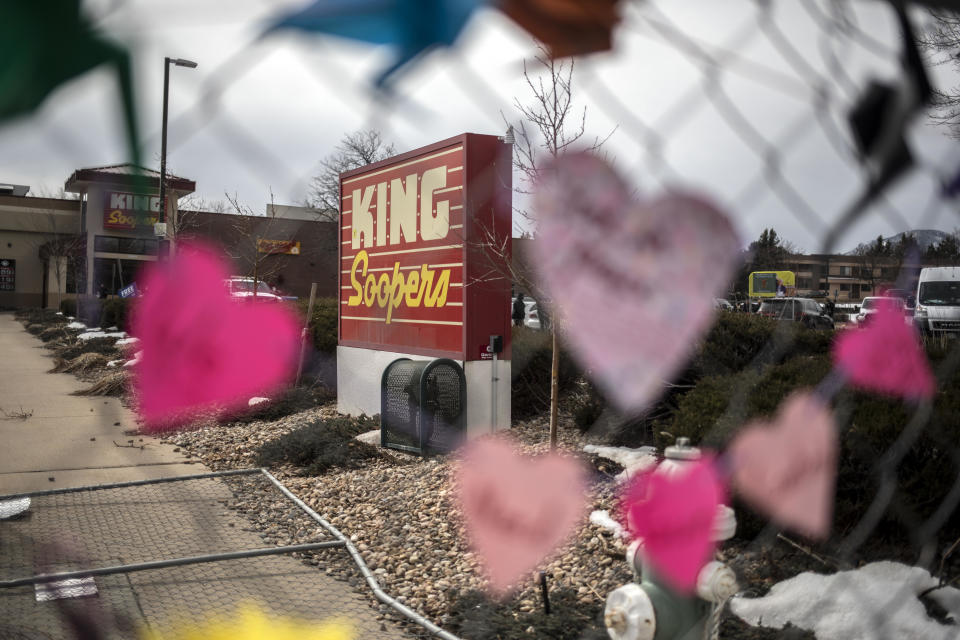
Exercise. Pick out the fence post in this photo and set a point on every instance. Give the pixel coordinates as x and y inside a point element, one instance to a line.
<point>305,332</point>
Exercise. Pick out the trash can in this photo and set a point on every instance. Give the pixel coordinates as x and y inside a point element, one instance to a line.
<point>423,405</point>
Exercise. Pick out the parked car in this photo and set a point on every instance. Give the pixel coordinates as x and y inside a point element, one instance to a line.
<point>938,300</point>
<point>803,310</point>
<point>241,290</point>
<point>873,304</point>
<point>722,305</point>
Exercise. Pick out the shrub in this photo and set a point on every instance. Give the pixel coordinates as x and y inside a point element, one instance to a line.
<point>474,614</point>
<point>106,346</point>
<point>114,313</point>
<point>111,384</point>
<point>81,364</point>
<point>718,406</point>
<point>56,332</point>
<point>710,412</point>
<point>322,445</point>
<point>738,340</point>
<point>323,324</point>
<point>530,364</point>
<point>588,405</point>
<point>85,309</point>
<point>292,400</point>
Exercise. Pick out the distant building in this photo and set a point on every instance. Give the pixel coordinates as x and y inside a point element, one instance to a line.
<point>55,248</point>
<point>846,278</point>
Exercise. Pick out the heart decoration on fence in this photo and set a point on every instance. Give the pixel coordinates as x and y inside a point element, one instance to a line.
<point>885,356</point>
<point>635,280</point>
<point>787,467</point>
<point>199,349</point>
<point>673,510</point>
<point>517,508</point>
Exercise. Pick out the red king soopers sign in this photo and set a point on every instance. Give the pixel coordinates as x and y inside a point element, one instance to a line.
<point>413,278</point>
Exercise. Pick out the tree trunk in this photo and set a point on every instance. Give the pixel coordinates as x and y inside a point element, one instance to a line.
<point>554,386</point>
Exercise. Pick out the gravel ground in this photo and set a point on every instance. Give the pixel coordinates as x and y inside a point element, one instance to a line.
<point>400,512</point>
<point>412,536</point>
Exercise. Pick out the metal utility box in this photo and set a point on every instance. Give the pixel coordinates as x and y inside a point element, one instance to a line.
<point>423,405</point>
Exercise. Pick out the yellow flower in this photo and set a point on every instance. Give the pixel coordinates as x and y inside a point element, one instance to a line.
<point>252,624</point>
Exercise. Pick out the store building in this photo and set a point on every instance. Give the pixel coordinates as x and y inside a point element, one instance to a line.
<point>94,241</point>
<point>120,205</point>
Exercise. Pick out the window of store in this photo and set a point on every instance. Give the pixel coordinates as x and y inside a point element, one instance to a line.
<point>114,274</point>
<point>133,246</point>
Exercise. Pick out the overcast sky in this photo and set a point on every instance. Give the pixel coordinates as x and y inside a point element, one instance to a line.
<point>680,119</point>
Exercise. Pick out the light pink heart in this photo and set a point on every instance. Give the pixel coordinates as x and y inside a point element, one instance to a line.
<point>672,510</point>
<point>201,350</point>
<point>787,468</point>
<point>885,356</point>
<point>635,281</point>
<point>517,509</point>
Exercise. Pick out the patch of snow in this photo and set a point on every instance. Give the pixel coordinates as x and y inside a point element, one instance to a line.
<point>603,520</point>
<point>90,335</point>
<point>632,460</point>
<point>252,402</point>
<point>58,313</point>
<point>878,600</point>
<point>135,360</point>
<point>370,437</point>
<point>113,328</point>
<point>130,340</point>
<point>114,363</point>
<point>76,325</point>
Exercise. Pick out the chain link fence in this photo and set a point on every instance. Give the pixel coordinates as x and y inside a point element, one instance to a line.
<point>751,102</point>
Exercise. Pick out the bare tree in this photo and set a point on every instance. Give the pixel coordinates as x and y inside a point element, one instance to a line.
<point>550,126</point>
<point>187,209</point>
<point>62,245</point>
<point>255,234</point>
<point>873,257</point>
<point>942,43</point>
<point>354,150</point>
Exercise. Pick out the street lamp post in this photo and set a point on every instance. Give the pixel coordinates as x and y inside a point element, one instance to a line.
<point>180,62</point>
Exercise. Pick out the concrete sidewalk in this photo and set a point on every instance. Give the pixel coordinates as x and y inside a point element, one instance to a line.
<point>71,439</point>
<point>68,441</point>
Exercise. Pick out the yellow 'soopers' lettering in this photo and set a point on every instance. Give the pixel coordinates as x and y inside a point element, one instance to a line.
<point>414,295</point>
<point>391,290</point>
<point>438,296</point>
<point>357,298</point>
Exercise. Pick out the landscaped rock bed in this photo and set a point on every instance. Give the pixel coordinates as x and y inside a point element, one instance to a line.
<point>400,512</point>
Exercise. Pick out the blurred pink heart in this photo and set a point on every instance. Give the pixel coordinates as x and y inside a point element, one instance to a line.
<point>635,281</point>
<point>518,509</point>
<point>885,356</point>
<point>787,468</point>
<point>199,349</point>
<point>673,510</point>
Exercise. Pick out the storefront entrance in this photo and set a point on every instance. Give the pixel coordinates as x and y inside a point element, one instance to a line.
<point>118,260</point>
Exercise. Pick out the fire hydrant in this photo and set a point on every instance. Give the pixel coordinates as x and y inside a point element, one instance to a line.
<point>649,609</point>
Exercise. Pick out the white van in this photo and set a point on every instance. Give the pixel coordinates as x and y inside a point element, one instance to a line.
<point>938,300</point>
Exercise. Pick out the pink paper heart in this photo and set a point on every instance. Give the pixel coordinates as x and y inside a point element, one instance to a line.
<point>672,509</point>
<point>636,281</point>
<point>787,468</point>
<point>517,509</point>
<point>885,356</point>
<point>198,348</point>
